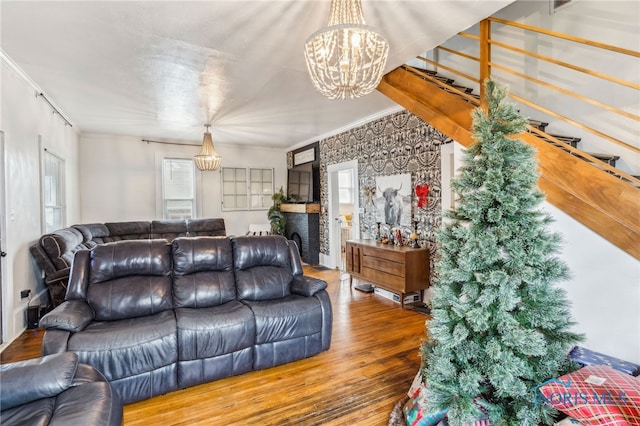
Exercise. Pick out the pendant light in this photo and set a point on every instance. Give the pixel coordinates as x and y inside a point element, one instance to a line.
<point>347,58</point>
<point>208,159</point>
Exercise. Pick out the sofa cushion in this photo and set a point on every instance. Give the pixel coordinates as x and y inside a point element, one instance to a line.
<point>26,381</point>
<point>38,412</point>
<point>286,318</point>
<point>263,267</point>
<point>61,245</point>
<point>168,229</point>
<point>207,226</point>
<point>93,403</point>
<point>128,231</point>
<point>219,330</point>
<point>202,272</point>
<point>138,345</point>
<point>263,283</point>
<point>93,233</point>
<point>130,279</point>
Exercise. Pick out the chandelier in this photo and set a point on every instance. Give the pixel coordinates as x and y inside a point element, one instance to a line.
<point>208,159</point>
<point>347,58</point>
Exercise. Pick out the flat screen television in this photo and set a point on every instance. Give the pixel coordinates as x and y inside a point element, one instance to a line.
<point>300,184</point>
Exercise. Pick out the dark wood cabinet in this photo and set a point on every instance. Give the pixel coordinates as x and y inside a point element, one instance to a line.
<point>399,269</point>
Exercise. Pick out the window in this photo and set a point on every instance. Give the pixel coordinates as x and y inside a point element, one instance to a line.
<point>345,186</point>
<point>178,188</point>
<point>53,192</point>
<point>246,189</point>
<point>261,188</point>
<point>234,188</point>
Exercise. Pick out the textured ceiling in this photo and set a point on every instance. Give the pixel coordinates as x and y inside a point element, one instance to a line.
<point>161,69</point>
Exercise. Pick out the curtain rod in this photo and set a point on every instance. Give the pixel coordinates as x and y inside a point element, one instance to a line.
<point>170,143</point>
<point>55,110</point>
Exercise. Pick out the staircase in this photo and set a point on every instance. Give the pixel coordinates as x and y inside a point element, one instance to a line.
<point>584,185</point>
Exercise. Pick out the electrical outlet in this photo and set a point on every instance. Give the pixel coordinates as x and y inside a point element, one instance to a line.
<point>24,293</point>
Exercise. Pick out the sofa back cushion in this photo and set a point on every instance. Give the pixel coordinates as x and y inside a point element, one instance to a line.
<point>213,227</point>
<point>202,272</point>
<point>61,245</point>
<point>262,267</point>
<point>128,231</point>
<point>93,233</point>
<point>130,279</point>
<point>168,229</point>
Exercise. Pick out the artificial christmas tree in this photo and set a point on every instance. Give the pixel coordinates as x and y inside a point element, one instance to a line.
<point>499,326</point>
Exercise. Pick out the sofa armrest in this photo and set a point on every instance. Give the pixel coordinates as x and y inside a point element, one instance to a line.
<point>71,315</point>
<point>55,341</point>
<point>307,286</point>
<point>45,377</point>
<point>57,276</point>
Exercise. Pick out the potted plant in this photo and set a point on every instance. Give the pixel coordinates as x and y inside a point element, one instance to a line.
<point>276,217</point>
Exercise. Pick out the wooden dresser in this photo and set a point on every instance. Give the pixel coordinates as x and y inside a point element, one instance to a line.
<point>399,269</point>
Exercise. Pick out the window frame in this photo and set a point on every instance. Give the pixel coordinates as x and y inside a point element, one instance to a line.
<point>194,189</point>
<point>350,188</point>
<point>61,184</point>
<point>249,186</point>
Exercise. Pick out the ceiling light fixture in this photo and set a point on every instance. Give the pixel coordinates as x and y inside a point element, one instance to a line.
<point>208,160</point>
<point>347,58</point>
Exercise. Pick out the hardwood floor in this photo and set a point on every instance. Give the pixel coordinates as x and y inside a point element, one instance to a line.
<point>373,358</point>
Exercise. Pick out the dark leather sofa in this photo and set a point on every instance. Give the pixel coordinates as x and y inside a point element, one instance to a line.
<point>53,253</point>
<point>56,390</point>
<point>155,316</point>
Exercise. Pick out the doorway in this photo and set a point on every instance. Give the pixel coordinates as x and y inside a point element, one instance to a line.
<point>344,207</point>
<point>2,235</point>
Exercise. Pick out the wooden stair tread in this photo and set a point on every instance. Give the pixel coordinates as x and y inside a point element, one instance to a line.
<point>538,124</point>
<point>567,139</point>
<point>445,80</point>
<point>601,156</point>
<point>573,141</point>
<point>462,88</point>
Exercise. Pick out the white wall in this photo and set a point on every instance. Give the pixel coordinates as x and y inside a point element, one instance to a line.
<point>120,179</point>
<point>25,120</point>
<point>604,289</point>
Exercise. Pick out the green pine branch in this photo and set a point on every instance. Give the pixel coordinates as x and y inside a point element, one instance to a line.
<point>500,325</point>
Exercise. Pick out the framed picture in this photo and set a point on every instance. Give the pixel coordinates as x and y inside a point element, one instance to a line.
<point>393,199</point>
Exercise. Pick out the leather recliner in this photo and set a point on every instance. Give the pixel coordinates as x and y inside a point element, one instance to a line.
<point>155,316</point>
<point>53,253</point>
<point>57,389</point>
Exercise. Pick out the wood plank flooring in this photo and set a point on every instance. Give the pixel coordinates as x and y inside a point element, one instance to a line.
<point>373,358</point>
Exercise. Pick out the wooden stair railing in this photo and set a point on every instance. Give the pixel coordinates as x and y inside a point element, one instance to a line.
<point>604,203</point>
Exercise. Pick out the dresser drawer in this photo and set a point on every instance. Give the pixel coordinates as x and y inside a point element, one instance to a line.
<point>385,280</point>
<point>384,265</point>
<point>387,254</point>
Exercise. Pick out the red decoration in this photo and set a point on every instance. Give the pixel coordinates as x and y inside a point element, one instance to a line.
<point>421,192</point>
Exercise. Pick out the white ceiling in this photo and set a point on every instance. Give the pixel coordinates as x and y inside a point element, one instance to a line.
<point>161,69</point>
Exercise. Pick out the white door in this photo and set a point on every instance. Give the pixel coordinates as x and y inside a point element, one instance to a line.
<point>335,225</point>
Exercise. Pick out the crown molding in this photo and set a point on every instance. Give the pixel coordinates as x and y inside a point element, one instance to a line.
<point>353,125</point>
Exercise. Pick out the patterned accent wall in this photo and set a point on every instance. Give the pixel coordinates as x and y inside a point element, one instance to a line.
<point>395,144</point>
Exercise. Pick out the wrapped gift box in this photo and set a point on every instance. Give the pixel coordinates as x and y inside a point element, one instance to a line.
<point>584,357</point>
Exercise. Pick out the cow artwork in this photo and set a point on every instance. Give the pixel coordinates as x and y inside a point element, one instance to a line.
<point>393,200</point>
<point>392,205</point>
